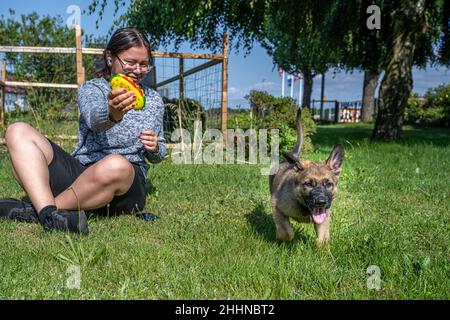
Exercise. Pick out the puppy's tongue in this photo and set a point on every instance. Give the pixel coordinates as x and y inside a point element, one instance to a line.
<point>319,215</point>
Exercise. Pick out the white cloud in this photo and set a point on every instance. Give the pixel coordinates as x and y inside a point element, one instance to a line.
<point>266,85</point>
<point>236,93</point>
<point>232,90</point>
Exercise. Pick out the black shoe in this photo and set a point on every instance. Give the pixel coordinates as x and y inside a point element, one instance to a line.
<point>63,220</point>
<point>18,210</point>
<point>147,216</point>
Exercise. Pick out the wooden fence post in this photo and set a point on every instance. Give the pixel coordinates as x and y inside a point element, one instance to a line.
<point>336,111</point>
<point>79,60</point>
<point>79,56</point>
<point>224,114</point>
<point>181,72</point>
<point>322,96</point>
<point>181,101</point>
<point>3,93</point>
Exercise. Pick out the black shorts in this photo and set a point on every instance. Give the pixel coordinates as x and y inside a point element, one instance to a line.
<point>65,169</point>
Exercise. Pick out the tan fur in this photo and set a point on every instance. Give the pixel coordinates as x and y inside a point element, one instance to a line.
<point>288,190</point>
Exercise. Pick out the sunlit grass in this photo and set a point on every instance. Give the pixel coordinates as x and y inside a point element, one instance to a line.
<point>216,239</point>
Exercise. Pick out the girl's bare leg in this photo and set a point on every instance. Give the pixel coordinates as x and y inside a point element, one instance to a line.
<point>31,153</point>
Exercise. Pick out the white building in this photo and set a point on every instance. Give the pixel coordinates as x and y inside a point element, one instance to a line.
<point>15,99</point>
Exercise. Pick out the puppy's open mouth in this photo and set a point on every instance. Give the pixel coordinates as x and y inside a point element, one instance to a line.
<point>319,214</point>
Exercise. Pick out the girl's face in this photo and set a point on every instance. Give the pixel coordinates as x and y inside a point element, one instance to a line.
<point>133,62</point>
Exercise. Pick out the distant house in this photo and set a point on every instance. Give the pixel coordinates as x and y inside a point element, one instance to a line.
<point>15,99</point>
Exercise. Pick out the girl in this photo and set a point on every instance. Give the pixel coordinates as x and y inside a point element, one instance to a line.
<point>106,173</point>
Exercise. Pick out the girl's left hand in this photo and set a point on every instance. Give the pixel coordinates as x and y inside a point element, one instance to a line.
<point>150,141</point>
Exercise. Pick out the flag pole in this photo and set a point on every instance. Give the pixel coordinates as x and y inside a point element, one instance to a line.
<point>292,86</point>
<point>300,85</point>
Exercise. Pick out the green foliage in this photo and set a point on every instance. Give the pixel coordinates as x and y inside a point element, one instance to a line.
<point>439,98</point>
<point>76,255</point>
<point>307,36</point>
<point>432,110</point>
<point>44,31</point>
<point>216,238</point>
<point>190,110</point>
<point>240,119</point>
<point>357,46</point>
<point>201,22</point>
<point>270,112</point>
<point>285,121</point>
<point>414,109</point>
<point>260,103</point>
<point>302,48</point>
<point>288,138</point>
<point>325,32</point>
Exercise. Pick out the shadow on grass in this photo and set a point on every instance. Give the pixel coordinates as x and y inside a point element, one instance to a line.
<point>150,187</point>
<point>329,135</point>
<point>263,225</point>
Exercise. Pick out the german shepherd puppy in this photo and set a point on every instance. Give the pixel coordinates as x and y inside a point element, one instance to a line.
<point>304,190</point>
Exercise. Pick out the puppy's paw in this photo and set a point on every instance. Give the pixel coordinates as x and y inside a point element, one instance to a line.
<point>320,242</point>
<point>285,235</point>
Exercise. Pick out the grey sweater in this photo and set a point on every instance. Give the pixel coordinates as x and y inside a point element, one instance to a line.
<point>98,136</point>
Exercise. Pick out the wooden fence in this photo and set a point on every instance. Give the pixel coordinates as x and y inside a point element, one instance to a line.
<point>214,59</point>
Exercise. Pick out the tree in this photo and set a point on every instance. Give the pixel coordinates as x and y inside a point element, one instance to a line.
<point>278,25</point>
<point>299,49</point>
<point>259,102</point>
<point>201,22</point>
<point>413,32</point>
<point>416,30</point>
<point>358,46</point>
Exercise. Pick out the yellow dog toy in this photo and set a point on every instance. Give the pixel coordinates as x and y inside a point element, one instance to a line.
<point>119,81</point>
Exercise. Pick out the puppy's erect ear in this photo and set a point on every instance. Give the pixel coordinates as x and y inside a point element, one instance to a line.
<point>291,158</point>
<point>336,158</point>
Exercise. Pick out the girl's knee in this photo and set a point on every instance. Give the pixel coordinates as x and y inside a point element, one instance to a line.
<point>16,132</point>
<point>20,133</point>
<point>115,168</point>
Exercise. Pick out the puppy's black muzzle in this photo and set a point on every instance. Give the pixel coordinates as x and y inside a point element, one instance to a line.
<point>319,197</point>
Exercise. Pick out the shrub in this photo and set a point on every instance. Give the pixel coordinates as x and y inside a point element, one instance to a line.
<point>270,112</point>
<point>439,99</point>
<point>239,119</point>
<point>432,110</point>
<point>284,117</point>
<point>191,110</point>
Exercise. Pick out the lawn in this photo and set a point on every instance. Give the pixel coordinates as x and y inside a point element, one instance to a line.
<point>216,238</point>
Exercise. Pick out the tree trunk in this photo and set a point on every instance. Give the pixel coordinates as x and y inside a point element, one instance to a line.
<point>368,98</point>
<point>307,88</point>
<point>397,82</point>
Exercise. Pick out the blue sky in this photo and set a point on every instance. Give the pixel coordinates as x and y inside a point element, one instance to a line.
<point>255,71</point>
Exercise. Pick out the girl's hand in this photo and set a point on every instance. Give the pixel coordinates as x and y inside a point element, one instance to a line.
<point>150,140</point>
<point>120,101</point>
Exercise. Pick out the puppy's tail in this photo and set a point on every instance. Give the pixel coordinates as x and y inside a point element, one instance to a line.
<point>300,138</point>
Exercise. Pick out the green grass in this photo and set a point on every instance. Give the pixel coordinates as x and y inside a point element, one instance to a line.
<point>216,239</point>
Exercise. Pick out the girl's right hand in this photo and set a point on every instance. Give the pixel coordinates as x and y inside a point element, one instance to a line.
<point>120,101</point>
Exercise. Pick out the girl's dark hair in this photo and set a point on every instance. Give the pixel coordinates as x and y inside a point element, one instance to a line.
<point>122,39</point>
